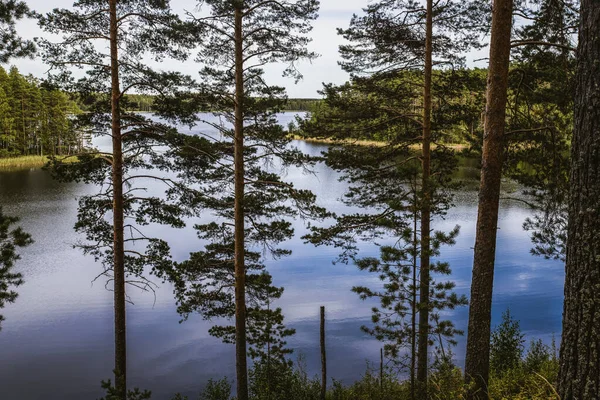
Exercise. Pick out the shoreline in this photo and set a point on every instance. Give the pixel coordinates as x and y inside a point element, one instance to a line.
<point>22,162</point>
<point>36,162</point>
<point>362,142</point>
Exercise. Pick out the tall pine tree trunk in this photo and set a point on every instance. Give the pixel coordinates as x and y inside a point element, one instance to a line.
<point>118,220</point>
<point>425,210</point>
<point>579,374</point>
<point>323,356</point>
<point>480,309</point>
<point>414,292</point>
<point>240,268</point>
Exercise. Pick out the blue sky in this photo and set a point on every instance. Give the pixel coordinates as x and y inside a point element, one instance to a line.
<point>333,14</point>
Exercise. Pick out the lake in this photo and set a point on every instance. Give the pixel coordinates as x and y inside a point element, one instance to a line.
<point>57,340</point>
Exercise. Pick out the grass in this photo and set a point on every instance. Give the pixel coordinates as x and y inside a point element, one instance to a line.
<point>30,162</point>
<point>22,162</point>
<point>330,141</point>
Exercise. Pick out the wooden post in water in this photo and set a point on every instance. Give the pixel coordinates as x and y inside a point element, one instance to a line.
<point>323,356</point>
<point>381,369</point>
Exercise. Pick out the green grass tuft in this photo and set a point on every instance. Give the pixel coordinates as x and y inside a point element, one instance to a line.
<point>22,162</point>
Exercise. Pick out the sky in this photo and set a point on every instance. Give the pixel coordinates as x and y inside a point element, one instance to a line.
<point>325,69</point>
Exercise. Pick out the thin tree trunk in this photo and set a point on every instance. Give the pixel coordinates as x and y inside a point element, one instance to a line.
<point>240,268</point>
<point>118,243</point>
<point>579,372</point>
<point>425,210</point>
<point>323,356</point>
<point>268,352</point>
<point>413,317</point>
<point>480,310</point>
<point>23,125</point>
<point>381,370</point>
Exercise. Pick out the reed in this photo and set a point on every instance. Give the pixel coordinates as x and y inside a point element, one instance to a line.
<point>22,162</point>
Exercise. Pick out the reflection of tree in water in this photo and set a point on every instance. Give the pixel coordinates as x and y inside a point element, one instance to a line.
<point>10,238</point>
<point>11,45</point>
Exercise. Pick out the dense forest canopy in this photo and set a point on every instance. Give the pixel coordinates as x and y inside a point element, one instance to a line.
<point>35,119</point>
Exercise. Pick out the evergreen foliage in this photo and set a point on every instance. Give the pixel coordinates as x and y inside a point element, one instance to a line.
<point>11,238</point>
<point>390,99</point>
<point>539,354</point>
<point>11,44</point>
<point>389,36</point>
<point>446,383</point>
<point>109,45</point>
<point>386,179</point>
<point>540,118</point>
<point>507,345</point>
<point>141,135</point>
<point>113,394</point>
<point>380,108</point>
<point>394,97</point>
<point>217,390</point>
<point>145,103</point>
<point>35,118</point>
<point>301,104</point>
<point>252,205</point>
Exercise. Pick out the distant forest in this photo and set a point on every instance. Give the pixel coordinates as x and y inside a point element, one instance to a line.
<point>145,103</point>
<point>34,120</point>
<point>37,120</point>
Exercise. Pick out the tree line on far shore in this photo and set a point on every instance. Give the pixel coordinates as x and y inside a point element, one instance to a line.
<point>35,119</point>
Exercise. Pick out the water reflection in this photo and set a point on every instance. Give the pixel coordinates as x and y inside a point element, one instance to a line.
<point>57,340</point>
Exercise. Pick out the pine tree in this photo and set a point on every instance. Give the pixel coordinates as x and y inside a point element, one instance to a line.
<point>6,138</point>
<point>252,204</point>
<point>10,239</point>
<point>394,320</point>
<point>480,309</point>
<point>11,44</point>
<point>18,97</point>
<point>34,116</point>
<point>506,345</point>
<point>109,41</point>
<point>397,36</point>
<point>541,119</point>
<point>266,338</point>
<point>527,124</point>
<point>385,178</point>
<point>579,373</point>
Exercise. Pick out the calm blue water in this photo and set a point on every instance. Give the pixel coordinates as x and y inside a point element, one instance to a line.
<point>57,340</point>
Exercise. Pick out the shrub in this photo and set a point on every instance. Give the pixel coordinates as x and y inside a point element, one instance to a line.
<point>537,355</point>
<point>217,390</point>
<point>506,347</point>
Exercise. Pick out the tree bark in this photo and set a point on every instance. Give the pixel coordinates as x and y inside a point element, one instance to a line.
<point>579,373</point>
<point>425,211</point>
<point>239,245</point>
<point>380,370</point>
<point>480,310</point>
<point>118,220</point>
<point>413,317</point>
<point>323,356</point>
